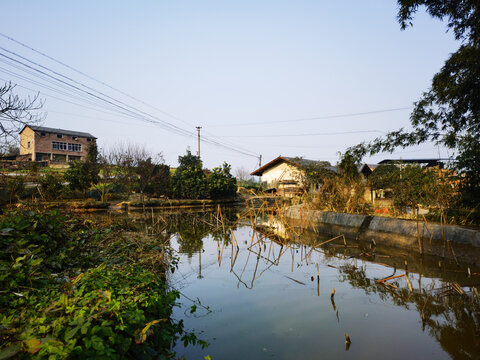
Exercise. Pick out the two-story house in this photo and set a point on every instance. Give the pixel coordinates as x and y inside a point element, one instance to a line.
<point>57,145</point>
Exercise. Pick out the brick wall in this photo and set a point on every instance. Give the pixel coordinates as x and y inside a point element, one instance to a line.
<point>43,144</point>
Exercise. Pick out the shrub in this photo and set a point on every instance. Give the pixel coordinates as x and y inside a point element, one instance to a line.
<point>15,187</point>
<point>221,184</point>
<point>57,303</point>
<point>51,186</point>
<point>189,181</point>
<point>105,312</point>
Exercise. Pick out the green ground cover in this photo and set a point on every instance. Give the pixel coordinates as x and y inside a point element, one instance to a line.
<point>73,287</point>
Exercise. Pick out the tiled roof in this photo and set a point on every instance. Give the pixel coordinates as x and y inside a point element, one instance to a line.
<point>296,161</point>
<point>60,131</point>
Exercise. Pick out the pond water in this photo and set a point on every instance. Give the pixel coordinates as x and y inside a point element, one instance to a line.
<point>263,299</point>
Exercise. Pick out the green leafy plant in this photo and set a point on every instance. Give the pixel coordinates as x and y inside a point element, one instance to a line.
<point>221,184</point>
<point>69,292</point>
<point>189,180</point>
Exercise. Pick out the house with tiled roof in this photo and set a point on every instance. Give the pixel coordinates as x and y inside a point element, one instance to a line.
<point>38,143</point>
<point>283,174</point>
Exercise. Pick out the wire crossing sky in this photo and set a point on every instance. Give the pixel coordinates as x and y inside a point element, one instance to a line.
<point>292,78</point>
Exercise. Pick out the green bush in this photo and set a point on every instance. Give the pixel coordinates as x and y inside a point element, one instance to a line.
<point>51,185</point>
<point>189,181</point>
<point>102,313</point>
<point>221,184</point>
<point>15,188</point>
<point>68,293</point>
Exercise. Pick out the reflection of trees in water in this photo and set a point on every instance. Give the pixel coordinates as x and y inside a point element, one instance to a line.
<point>193,227</point>
<point>452,319</point>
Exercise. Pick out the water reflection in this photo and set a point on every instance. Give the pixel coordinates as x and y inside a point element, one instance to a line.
<point>451,316</point>
<point>276,270</point>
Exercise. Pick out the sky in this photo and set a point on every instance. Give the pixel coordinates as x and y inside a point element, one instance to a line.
<point>262,77</point>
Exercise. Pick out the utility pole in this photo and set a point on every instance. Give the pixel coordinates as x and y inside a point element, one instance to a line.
<point>198,129</point>
<point>259,166</point>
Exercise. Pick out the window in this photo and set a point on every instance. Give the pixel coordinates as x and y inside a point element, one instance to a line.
<point>42,134</point>
<point>74,137</point>
<point>56,145</point>
<point>28,145</point>
<point>59,136</point>
<point>89,139</point>
<point>74,147</point>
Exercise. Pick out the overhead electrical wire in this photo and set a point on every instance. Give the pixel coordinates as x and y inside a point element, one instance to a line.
<point>58,98</point>
<point>179,119</point>
<point>60,92</point>
<point>210,141</point>
<point>119,105</point>
<point>132,112</point>
<point>66,77</point>
<point>313,118</point>
<point>204,139</point>
<point>91,77</point>
<point>310,134</point>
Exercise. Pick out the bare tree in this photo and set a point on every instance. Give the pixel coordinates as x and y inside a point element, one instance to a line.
<point>16,112</point>
<point>126,158</point>
<point>242,173</point>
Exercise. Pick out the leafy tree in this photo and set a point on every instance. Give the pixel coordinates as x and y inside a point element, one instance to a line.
<point>77,177</point>
<point>146,172</point>
<point>348,168</point>
<point>81,175</point>
<point>189,181</point>
<point>161,184</point>
<point>468,164</point>
<point>153,177</point>
<point>449,112</point>
<point>313,173</point>
<point>51,186</point>
<point>384,176</point>
<point>221,183</point>
<point>410,186</point>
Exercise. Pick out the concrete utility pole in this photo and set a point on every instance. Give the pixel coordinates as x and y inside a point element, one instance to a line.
<point>259,166</point>
<point>198,129</point>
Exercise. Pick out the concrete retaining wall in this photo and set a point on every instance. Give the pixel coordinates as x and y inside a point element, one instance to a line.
<point>389,231</point>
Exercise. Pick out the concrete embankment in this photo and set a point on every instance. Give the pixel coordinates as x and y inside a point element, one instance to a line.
<point>393,232</point>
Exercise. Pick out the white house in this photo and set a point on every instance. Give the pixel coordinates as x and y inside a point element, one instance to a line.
<point>284,175</point>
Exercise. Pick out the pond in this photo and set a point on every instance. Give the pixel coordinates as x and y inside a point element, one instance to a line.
<point>261,297</point>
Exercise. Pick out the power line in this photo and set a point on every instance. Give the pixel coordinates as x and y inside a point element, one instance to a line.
<point>311,134</point>
<point>124,107</point>
<point>91,77</point>
<point>313,118</point>
<point>59,92</point>
<point>58,98</point>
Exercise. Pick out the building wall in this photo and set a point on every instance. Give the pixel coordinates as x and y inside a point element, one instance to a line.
<point>27,136</point>
<point>281,172</point>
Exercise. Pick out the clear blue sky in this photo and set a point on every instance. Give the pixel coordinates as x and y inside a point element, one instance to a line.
<point>217,64</point>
